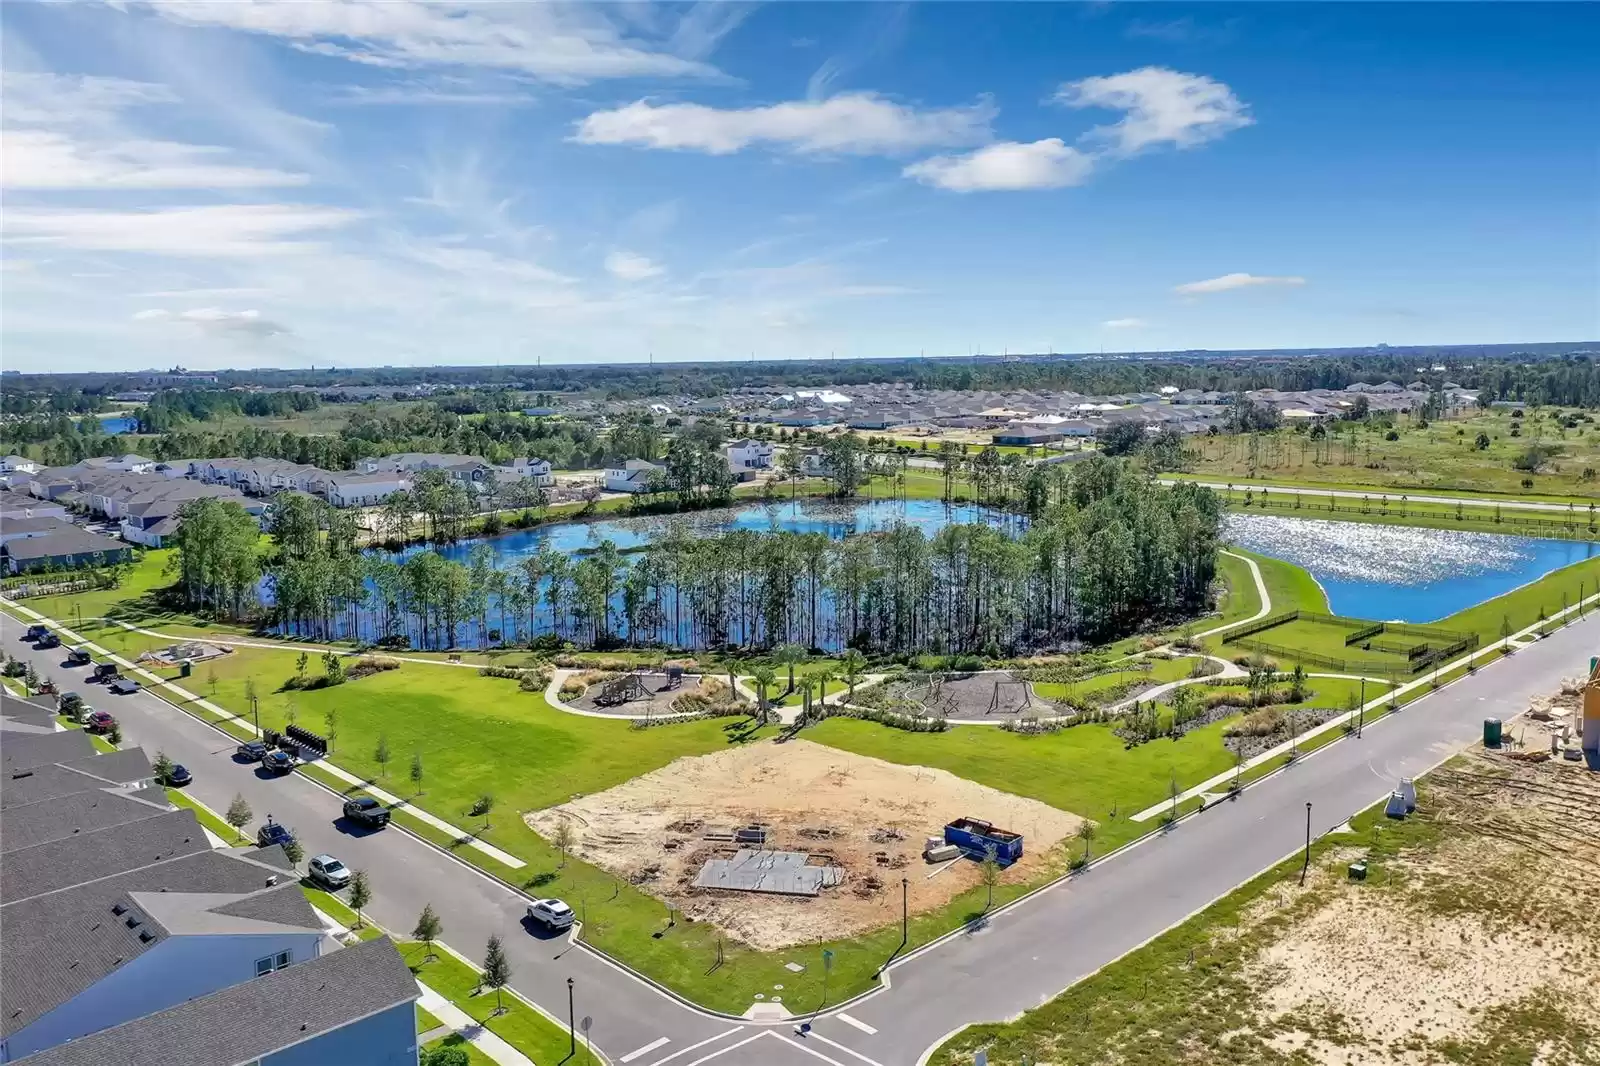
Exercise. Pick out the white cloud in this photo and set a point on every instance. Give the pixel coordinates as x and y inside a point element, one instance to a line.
<point>1124,323</point>
<point>43,159</point>
<point>217,320</point>
<point>1232,281</point>
<point>422,94</point>
<point>43,99</point>
<point>630,266</point>
<point>1162,107</point>
<point>1010,165</point>
<point>227,230</point>
<point>857,123</point>
<point>561,43</point>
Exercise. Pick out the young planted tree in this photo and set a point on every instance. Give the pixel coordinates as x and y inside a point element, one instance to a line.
<point>300,665</point>
<point>293,850</point>
<point>853,663</point>
<point>990,874</point>
<point>381,755</point>
<point>1086,832</point>
<point>360,894</point>
<point>427,929</point>
<point>496,971</point>
<point>239,814</point>
<point>764,677</point>
<point>482,807</point>
<point>330,725</point>
<point>163,767</point>
<point>563,838</point>
<point>416,772</point>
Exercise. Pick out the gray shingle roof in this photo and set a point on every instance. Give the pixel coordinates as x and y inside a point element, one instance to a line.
<point>70,541</point>
<point>54,946</point>
<point>27,750</point>
<point>62,779</point>
<point>99,853</point>
<point>250,1021</point>
<point>81,812</point>
<point>19,526</point>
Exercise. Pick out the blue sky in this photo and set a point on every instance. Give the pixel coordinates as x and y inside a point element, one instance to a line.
<point>259,183</point>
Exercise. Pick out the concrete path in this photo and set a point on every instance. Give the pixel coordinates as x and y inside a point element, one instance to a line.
<point>1514,642</point>
<point>1378,497</point>
<point>459,1021</point>
<point>191,699</point>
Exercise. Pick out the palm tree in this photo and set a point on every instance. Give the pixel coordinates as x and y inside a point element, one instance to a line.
<point>853,663</point>
<point>764,677</point>
<point>788,655</point>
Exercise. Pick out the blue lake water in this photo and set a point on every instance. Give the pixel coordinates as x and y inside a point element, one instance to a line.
<point>1405,573</point>
<point>118,424</point>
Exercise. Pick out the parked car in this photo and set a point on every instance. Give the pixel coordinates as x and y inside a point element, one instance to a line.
<point>100,722</point>
<point>77,657</point>
<point>368,811</point>
<point>329,872</point>
<point>105,672</point>
<point>33,633</point>
<point>71,704</point>
<point>278,762</point>
<point>251,751</point>
<point>49,640</point>
<point>124,686</point>
<point>272,833</point>
<point>178,776</point>
<point>553,914</point>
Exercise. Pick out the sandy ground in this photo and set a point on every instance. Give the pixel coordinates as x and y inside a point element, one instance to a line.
<point>1502,913</point>
<point>869,816</point>
<point>968,697</point>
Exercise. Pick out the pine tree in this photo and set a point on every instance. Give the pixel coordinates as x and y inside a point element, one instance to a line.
<point>496,971</point>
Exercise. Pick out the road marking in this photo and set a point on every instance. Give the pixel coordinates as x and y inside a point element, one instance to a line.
<point>714,1054</point>
<point>863,1026</point>
<point>641,1052</point>
<point>703,1043</point>
<point>802,1047</point>
<point>834,1043</point>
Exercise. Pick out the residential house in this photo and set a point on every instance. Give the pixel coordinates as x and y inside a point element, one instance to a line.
<point>364,490</point>
<point>535,470</point>
<point>635,475</point>
<point>355,1007</point>
<point>22,528</point>
<point>749,455</point>
<point>1027,436</point>
<point>62,549</point>
<point>19,464</point>
<point>151,517</point>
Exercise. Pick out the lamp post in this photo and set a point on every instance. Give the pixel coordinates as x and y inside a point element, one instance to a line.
<point>1307,865</point>
<point>1361,711</point>
<point>572,1028</point>
<point>905,912</point>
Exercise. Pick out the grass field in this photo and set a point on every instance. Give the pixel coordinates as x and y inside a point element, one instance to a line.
<point>1442,457</point>
<point>1277,973</point>
<point>537,1037</point>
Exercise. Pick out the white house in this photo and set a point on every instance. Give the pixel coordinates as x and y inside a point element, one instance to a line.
<point>535,470</point>
<point>19,464</point>
<point>633,476</point>
<point>364,490</point>
<point>749,455</point>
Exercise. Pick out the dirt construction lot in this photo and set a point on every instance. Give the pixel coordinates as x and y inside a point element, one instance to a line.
<point>866,815</point>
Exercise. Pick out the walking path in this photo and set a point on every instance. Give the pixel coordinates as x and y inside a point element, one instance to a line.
<point>1350,494</point>
<point>457,1020</point>
<point>1511,644</point>
<point>190,699</point>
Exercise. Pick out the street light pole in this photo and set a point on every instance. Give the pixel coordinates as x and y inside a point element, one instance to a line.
<point>572,1028</point>
<point>1361,711</point>
<point>1307,865</point>
<point>905,912</point>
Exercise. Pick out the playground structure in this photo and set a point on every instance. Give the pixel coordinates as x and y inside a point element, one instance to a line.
<point>962,697</point>
<point>1010,689</point>
<point>624,689</point>
<point>642,694</point>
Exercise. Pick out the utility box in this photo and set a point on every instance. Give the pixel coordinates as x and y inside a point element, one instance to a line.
<point>979,839</point>
<point>1358,870</point>
<point>1491,732</point>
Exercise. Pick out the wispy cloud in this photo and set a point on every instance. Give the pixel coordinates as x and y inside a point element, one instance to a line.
<point>630,266</point>
<point>1124,323</point>
<point>217,320</point>
<point>1228,282</point>
<point>424,93</point>
<point>1046,164</point>
<point>227,231</point>
<point>851,123</point>
<point>1162,107</point>
<point>560,43</point>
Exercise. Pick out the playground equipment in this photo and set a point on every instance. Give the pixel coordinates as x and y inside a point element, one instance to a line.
<point>621,690</point>
<point>674,676</point>
<point>1011,687</point>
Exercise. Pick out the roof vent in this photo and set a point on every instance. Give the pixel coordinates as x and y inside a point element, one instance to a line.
<point>119,909</point>
<point>145,936</point>
<point>133,921</point>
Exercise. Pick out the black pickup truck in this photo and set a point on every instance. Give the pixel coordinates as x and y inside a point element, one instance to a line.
<point>367,811</point>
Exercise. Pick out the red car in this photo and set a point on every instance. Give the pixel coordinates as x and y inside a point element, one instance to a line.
<point>101,722</point>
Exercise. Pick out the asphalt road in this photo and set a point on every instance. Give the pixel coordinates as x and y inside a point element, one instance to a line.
<point>1022,957</point>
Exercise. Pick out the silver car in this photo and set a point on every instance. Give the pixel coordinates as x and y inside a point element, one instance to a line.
<point>329,872</point>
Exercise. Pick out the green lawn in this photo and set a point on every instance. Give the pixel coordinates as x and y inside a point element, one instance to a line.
<point>223,830</point>
<point>1086,769</point>
<point>426,1021</point>
<point>474,1056</point>
<point>524,1028</point>
<point>1160,672</point>
<point>1241,599</point>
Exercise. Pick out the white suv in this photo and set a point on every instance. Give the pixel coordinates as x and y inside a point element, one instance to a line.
<point>550,913</point>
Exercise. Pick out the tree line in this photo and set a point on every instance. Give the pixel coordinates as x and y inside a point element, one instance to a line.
<point>1100,551</point>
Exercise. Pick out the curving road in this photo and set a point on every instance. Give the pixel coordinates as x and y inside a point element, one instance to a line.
<point>1021,957</point>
